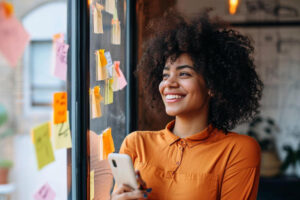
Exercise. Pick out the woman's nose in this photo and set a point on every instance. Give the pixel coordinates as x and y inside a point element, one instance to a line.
<point>171,82</point>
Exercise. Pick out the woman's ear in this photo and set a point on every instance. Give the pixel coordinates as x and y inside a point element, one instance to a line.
<point>210,94</point>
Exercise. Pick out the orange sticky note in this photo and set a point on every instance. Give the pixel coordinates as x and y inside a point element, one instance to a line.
<point>102,57</point>
<point>107,142</point>
<point>60,107</point>
<point>8,9</point>
<point>96,99</point>
<point>100,68</point>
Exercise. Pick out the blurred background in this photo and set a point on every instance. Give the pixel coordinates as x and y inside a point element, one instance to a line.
<point>27,85</point>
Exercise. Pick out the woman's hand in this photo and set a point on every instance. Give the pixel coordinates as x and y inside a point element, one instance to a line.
<point>125,192</point>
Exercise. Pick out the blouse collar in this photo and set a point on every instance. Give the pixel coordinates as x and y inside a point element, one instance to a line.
<point>191,140</point>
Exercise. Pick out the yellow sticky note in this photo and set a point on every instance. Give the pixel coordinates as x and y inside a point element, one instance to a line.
<point>101,69</point>
<point>106,144</point>
<point>92,185</point>
<point>96,99</point>
<point>109,93</point>
<point>97,16</point>
<point>43,147</point>
<point>62,135</point>
<point>110,6</point>
<point>116,32</point>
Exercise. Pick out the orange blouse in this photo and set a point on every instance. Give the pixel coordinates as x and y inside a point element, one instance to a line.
<point>207,165</point>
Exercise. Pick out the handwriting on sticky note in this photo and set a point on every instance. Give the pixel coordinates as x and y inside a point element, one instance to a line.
<point>43,147</point>
<point>92,185</point>
<point>13,39</point>
<point>60,68</point>
<point>62,135</point>
<point>60,107</point>
<point>45,193</point>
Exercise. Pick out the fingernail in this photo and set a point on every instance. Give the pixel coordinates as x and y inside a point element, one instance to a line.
<point>145,195</point>
<point>149,189</point>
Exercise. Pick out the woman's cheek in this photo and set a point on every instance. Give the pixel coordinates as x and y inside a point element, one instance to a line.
<point>161,87</point>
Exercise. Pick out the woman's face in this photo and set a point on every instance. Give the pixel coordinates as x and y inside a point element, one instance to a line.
<point>182,89</point>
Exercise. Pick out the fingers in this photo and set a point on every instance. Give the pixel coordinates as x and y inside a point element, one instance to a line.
<point>135,194</point>
<point>140,181</point>
<point>123,188</point>
<point>125,192</point>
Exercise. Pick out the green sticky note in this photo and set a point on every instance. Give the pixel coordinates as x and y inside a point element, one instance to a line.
<point>109,93</point>
<point>62,135</point>
<point>42,144</point>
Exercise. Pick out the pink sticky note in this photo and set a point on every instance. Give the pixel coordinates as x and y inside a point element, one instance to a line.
<point>122,80</point>
<point>60,68</point>
<point>45,193</point>
<point>13,39</point>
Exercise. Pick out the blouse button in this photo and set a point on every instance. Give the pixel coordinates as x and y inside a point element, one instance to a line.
<point>178,163</point>
<point>180,148</point>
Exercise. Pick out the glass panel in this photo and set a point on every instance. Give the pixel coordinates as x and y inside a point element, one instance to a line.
<point>107,94</point>
<point>43,83</point>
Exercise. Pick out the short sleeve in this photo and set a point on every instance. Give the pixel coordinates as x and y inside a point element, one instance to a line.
<point>241,177</point>
<point>129,146</point>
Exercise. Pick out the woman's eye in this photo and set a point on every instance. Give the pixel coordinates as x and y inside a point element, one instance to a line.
<point>184,74</point>
<point>164,76</point>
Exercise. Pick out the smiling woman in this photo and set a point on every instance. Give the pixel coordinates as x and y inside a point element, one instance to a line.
<point>205,76</point>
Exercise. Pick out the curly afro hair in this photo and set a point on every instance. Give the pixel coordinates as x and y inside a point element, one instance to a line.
<point>221,55</point>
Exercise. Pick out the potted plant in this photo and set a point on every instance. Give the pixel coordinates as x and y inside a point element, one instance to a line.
<point>5,164</point>
<point>263,130</point>
<point>291,159</point>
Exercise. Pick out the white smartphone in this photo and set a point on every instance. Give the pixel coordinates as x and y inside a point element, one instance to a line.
<point>122,169</point>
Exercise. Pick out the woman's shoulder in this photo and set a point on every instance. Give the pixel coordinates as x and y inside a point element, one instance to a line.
<point>144,134</point>
<point>243,147</point>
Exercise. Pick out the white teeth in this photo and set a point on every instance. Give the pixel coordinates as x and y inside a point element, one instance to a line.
<point>169,97</point>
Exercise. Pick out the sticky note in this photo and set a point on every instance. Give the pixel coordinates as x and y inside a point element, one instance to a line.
<point>119,78</point>
<point>101,72</point>
<point>61,53</point>
<point>8,9</point>
<point>110,6</point>
<point>42,144</point>
<point>60,107</point>
<point>96,99</point>
<point>58,37</point>
<point>97,17</point>
<point>45,193</point>
<point>109,94</point>
<point>108,58</point>
<point>122,80</point>
<point>102,57</point>
<point>13,39</point>
<point>116,32</point>
<point>92,185</point>
<point>106,144</point>
<point>62,135</point>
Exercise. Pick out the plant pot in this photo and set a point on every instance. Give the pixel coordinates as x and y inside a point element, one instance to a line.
<point>270,164</point>
<point>3,175</point>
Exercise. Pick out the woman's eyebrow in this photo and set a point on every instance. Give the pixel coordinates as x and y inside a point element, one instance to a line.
<point>180,67</point>
<point>185,66</point>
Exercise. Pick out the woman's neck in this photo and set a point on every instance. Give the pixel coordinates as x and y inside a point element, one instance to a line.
<point>186,126</point>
